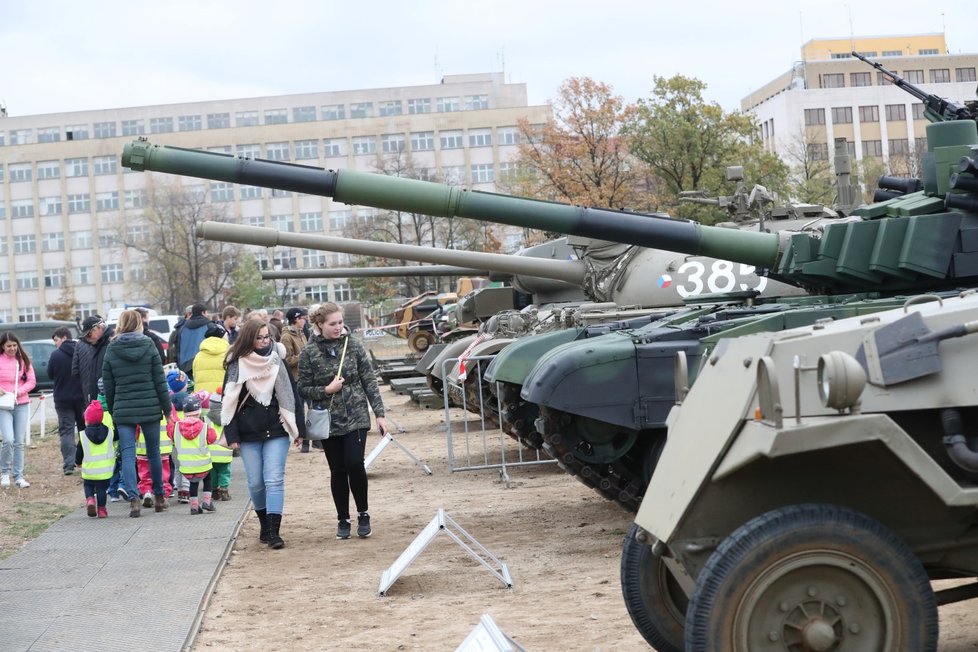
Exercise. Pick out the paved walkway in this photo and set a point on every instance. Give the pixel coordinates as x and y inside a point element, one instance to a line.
<point>118,583</point>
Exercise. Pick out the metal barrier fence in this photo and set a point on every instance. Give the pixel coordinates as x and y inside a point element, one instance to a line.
<point>481,445</point>
<point>382,344</point>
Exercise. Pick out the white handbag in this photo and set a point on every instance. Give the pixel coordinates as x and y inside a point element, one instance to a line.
<point>9,399</point>
<point>317,415</point>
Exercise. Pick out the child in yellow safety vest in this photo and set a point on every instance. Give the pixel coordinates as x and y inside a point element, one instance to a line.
<point>144,478</point>
<point>221,455</point>
<point>96,456</point>
<point>191,442</point>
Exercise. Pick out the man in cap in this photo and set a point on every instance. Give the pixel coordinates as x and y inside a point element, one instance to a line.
<point>86,363</point>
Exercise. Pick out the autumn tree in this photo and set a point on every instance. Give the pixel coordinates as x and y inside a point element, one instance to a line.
<point>64,307</point>
<point>179,269</point>
<point>247,289</point>
<point>688,143</point>
<point>812,178</point>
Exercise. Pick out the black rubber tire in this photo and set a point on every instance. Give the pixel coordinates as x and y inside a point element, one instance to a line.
<point>865,578</point>
<point>653,599</point>
<point>419,341</point>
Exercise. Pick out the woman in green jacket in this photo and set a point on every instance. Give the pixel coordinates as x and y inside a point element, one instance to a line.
<point>136,395</point>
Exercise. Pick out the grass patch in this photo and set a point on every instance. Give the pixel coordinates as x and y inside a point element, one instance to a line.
<point>29,520</point>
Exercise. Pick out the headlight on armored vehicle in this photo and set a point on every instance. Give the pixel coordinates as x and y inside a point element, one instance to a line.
<point>841,380</point>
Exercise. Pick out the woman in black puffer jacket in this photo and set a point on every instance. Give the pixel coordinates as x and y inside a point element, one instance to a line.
<point>136,395</point>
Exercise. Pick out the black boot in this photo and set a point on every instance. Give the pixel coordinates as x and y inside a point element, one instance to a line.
<point>274,540</point>
<point>263,519</point>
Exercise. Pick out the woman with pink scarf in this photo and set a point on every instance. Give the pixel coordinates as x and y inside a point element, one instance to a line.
<point>16,374</point>
<point>258,415</point>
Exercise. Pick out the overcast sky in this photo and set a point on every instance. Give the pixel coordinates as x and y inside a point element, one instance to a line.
<point>69,56</point>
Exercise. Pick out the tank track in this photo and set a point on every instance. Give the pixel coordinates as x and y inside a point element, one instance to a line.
<point>518,417</point>
<point>623,480</point>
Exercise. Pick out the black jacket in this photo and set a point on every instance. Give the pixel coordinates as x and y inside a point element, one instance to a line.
<point>67,388</point>
<point>86,364</point>
<point>157,340</point>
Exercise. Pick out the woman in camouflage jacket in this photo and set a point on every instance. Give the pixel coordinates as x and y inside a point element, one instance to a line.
<point>346,393</point>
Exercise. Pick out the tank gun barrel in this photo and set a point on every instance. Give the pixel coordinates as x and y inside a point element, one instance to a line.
<point>936,108</point>
<point>439,200</point>
<point>568,271</point>
<point>372,272</point>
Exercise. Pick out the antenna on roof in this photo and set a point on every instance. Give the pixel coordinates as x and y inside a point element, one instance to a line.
<point>437,64</point>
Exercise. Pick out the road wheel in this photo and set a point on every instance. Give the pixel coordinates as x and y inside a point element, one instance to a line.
<point>420,340</point>
<point>812,577</point>
<point>653,598</point>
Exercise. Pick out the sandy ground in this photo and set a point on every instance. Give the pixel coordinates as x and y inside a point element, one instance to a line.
<point>560,541</point>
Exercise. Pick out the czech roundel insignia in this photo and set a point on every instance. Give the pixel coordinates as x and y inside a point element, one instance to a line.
<point>665,281</point>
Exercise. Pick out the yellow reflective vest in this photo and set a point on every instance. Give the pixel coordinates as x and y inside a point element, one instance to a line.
<point>219,454</point>
<point>193,455</point>
<point>99,459</point>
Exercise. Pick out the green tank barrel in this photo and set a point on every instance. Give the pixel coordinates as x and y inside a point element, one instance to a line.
<point>372,272</point>
<point>439,200</point>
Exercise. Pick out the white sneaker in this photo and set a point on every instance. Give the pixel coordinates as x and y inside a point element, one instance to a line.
<point>148,500</point>
<point>4,480</point>
<point>22,483</point>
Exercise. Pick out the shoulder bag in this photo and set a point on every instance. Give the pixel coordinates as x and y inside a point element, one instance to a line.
<point>317,416</point>
<point>9,399</point>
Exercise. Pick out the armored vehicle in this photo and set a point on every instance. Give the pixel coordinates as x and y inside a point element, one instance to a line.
<point>833,475</point>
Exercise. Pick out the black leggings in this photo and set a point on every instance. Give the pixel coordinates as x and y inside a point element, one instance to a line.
<point>346,473</point>
<point>196,483</point>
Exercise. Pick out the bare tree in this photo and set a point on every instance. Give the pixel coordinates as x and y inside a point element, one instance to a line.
<point>811,179</point>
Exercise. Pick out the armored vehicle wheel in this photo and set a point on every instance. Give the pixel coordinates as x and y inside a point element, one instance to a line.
<point>812,577</point>
<point>420,340</point>
<point>653,598</point>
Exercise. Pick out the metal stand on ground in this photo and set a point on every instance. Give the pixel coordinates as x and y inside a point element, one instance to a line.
<point>487,637</point>
<point>389,439</point>
<point>442,522</point>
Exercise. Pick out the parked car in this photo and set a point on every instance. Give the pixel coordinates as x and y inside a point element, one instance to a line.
<point>38,330</point>
<point>162,325</point>
<point>40,352</point>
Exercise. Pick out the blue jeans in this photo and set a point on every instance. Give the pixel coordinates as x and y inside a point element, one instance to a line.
<point>127,449</point>
<point>13,427</point>
<point>264,463</point>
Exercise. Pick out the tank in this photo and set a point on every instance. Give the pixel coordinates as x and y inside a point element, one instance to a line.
<point>372,272</point>
<point>834,475</point>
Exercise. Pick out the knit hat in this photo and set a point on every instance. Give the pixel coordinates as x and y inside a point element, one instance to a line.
<point>214,330</point>
<point>295,313</point>
<point>93,413</point>
<point>205,398</point>
<point>191,405</point>
<point>176,380</point>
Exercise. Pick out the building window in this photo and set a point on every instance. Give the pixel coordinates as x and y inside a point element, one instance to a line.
<point>926,51</point>
<point>940,76</point>
<point>81,275</point>
<point>872,148</point>
<point>21,208</point>
<point>312,258</point>
<point>276,116</point>
<point>282,223</point>
<point>446,104</point>
<point>860,79</point>
<point>334,147</point>
<point>76,132</point>
<point>454,175</point>
<point>53,241</point>
<point>160,125</point>
<point>137,233</point>
<point>50,205</point>
<point>48,170</point>
<point>899,146</point>
<point>306,149</point>
<point>317,293</point>
<point>189,123</point>
<point>392,143</point>
<point>841,115</point>
<point>284,259</point>
<point>21,136</point>
<point>222,192</point>
<point>20,172</point>
<point>869,113</point>
<point>311,222</point>
<point>391,107</point>
<point>5,283</point>
<point>835,80</point>
<point>112,273</point>
<point>511,135</point>
<point>27,281</point>
<point>422,141</point>
<point>333,112</point>
<point>451,139</point>
<point>483,173</point>
<point>303,114</point>
<point>249,151</point>
<point>246,119</point>
<point>81,240</point>
<point>138,272</point>
<point>918,111</point>
<point>343,292</point>
<point>25,315</point>
<point>133,128</point>
<point>255,220</point>
<point>106,164</point>
<point>251,192</point>
<point>24,244</point>
<point>339,220</point>
<point>104,129</point>
<point>107,201</point>
<point>220,149</point>
<point>964,74</point>
<point>76,167</point>
<point>420,105</point>
<point>49,134</point>
<point>476,102</point>
<point>361,110</point>
<point>892,53</point>
<point>54,278</point>
<point>507,171</point>
<point>277,151</point>
<point>108,240</point>
<point>480,137</point>
<point>136,198</point>
<point>79,203</point>
<point>364,144</point>
<point>914,76</point>
<point>218,120</point>
<point>896,112</point>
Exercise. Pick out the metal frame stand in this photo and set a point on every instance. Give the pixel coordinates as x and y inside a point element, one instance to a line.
<point>389,439</point>
<point>487,637</point>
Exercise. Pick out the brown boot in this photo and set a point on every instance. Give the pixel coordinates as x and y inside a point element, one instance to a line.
<point>134,506</point>
<point>159,503</point>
